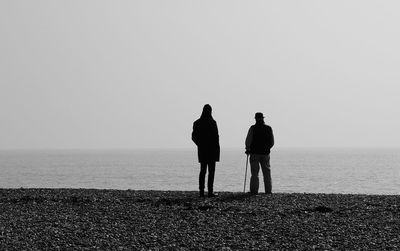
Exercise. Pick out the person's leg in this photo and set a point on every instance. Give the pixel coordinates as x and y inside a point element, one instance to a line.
<point>254,168</point>
<point>202,176</point>
<point>266,169</point>
<point>211,174</point>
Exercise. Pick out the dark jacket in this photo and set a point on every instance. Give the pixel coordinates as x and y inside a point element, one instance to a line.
<point>260,139</point>
<point>205,136</point>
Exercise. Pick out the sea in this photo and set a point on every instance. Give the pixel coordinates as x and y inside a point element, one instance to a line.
<point>294,170</point>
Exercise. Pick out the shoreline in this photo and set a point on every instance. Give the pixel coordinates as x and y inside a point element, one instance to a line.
<point>35,218</point>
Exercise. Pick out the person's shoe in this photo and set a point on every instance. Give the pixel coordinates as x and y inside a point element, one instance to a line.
<point>211,195</point>
<point>201,194</point>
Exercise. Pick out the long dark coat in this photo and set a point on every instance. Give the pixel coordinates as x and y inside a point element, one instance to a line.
<point>205,136</point>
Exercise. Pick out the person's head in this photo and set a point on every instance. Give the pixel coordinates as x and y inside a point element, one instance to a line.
<point>259,117</point>
<point>206,111</point>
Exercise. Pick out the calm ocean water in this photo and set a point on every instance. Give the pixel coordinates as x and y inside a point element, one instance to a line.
<point>364,171</point>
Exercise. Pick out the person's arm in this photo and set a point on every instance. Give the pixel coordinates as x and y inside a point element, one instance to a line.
<point>216,132</point>
<point>271,140</point>
<point>249,139</point>
<point>195,137</point>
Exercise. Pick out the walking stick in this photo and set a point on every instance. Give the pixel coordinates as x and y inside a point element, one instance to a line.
<point>245,173</point>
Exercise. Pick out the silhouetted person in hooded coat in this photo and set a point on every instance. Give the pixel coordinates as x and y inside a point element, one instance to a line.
<point>205,136</point>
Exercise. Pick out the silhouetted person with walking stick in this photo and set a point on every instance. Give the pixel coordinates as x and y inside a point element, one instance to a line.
<point>259,141</point>
<point>205,136</point>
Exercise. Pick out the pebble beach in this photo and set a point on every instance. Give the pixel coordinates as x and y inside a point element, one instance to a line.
<point>86,219</point>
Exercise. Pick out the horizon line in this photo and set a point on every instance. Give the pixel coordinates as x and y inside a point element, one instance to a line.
<point>187,148</point>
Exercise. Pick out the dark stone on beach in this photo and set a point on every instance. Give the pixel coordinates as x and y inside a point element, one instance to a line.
<point>205,207</point>
<point>323,209</point>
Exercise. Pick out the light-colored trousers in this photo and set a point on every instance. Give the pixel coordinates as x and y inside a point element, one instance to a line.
<point>257,160</point>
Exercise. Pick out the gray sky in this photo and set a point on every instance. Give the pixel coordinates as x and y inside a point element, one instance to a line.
<point>132,74</point>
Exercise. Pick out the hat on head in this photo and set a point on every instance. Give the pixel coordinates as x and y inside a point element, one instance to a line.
<point>259,115</point>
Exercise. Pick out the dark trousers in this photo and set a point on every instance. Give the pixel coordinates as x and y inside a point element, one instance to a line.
<point>202,176</point>
<point>257,160</point>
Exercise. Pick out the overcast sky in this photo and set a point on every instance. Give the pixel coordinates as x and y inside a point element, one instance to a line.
<point>133,74</point>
